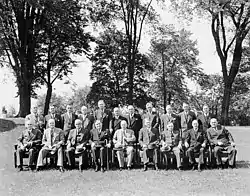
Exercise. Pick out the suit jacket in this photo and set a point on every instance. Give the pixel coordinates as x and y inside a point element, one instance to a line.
<point>222,135</point>
<point>96,136</point>
<point>165,119</point>
<point>57,118</point>
<point>196,139</point>
<point>204,121</point>
<point>116,123</point>
<point>35,136</point>
<point>149,137</point>
<point>171,138</point>
<point>135,123</point>
<point>154,119</point>
<point>81,138</point>
<point>186,121</point>
<point>105,117</point>
<point>36,119</point>
<point>87,122</point>
<point>68,123</point>
<point>56,138</point>
<point>120,135</point>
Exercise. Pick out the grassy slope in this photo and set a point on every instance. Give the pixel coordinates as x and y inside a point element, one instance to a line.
<point>136,182</point>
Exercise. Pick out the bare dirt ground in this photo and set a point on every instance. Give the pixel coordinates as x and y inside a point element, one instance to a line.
<point>135,182</point>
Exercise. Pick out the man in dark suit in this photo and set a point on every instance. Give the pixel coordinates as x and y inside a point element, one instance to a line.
<point>152,116</point>
<point>103,115</point>
<point>195,142</point>
<point>221,140</point>
<point>53,115</point>
<point>27,142</point>
<point>149,141</point>
<point>116,121</point>
<point>134,121</point>
<point>186,119</point>
<point>170,117</point>
<point>86,118</point>
<point>76,144</point>
<point>97,142</point>
<point>68,120</point>
<point>204,118</point>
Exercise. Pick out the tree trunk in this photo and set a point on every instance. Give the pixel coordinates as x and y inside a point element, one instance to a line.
<point>169,98</point>
<point>47,99</point>
<point>164,83</point>
<point>24,90</point>
<point>226,103</point>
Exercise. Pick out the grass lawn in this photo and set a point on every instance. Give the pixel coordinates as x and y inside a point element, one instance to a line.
<point>135,182</point>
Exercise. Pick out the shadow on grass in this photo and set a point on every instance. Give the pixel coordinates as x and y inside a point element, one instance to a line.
<point>243,164</point>
<point>6,125</point>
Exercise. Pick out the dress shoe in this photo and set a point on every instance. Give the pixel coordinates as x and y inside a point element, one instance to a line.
<point>96,168</point>
<point>220,167</point>
<point>61,169</point>
<point>199,168</point>
<point>231,166</point>
<point>180,169</point>
<point>37,169</point>
<point>145,168</point>
<point>102,169</point>
<point>20,169</point>
<point>129,167</point>
<point>120,168</point>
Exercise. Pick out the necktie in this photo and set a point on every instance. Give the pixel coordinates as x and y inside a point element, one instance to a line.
<point>52,136</point>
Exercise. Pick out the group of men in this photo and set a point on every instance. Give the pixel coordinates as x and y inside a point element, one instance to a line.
<point>70,135</point>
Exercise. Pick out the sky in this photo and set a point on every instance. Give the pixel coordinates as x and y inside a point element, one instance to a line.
<point>201,32</point>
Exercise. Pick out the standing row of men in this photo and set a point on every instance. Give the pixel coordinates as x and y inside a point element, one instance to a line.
<point>170,131</point>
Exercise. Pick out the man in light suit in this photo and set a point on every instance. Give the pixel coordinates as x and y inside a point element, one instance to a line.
<point>170,117</point>
<point>149,140</point>
<point>68,120</point>
<point>116,121</point>
<point>35,117</point>
<point>186,119</point>
<point>204,118</point>
<point>123,139</point>
<point>195,141</point>
<point>28,142</point>
<point>171,142</point>
<point>152,116</point>
<point>87,119</point>
<point>97,142</point>
<point>53,115</point>
<point>221,140</point>
<point>53,139</point>
<point>76,144</point>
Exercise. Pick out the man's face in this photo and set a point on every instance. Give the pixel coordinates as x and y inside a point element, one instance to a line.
<point>84,110</point>
<point>98,125</point>
<point>169,110</point>
<point>34,110</point>
<point>52,109</point>
<point>51,124</point>
<point>29,125</point>
<point>101,105</point>
<point>131,110</point>
<point>116,112</point>
<point>186,107</point>
<point>205,109</point>
<point>123,125</point>
<point>78,125</point>
<point>149,107</point>
<point>170,127</point>
<point>147,123</point>
<point>195,124</point>
<point>69,109</point>
<point>213,123</point>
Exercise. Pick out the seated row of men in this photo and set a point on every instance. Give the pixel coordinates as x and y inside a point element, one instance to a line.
<point>194,140</point>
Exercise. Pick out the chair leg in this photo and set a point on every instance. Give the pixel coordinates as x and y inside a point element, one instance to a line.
<point>15,160</point>
<point>107,158</point>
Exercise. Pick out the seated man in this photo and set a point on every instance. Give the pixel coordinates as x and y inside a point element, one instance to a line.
<point>124,139</point>
<point>76,144</point>
<point>149,141</point>
<point>171,142</point>
<point>28,142</point>
<point>53,139</point>
<point>97,142</point>
<point>195,142</point>
<point>221,140</point>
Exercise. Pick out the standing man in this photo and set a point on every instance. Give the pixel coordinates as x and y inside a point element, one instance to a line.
<point>68,120</point>
<point>204,118</point>
<point>35,118</point>
<point>221,140</point>
<point>170,117</point>
<point>76,144</point>
<point>86,118</point>
<point>116,120</point>
<point>149,141</point>
<point>195,142</point>
<point>53,115</point>
<point>186,119</point>
<point>97,142</point>
<point>152,116</point>
<point>124,139</point>
<point>28,142</point>
<point>53,139</point>
<point>104,116</point>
